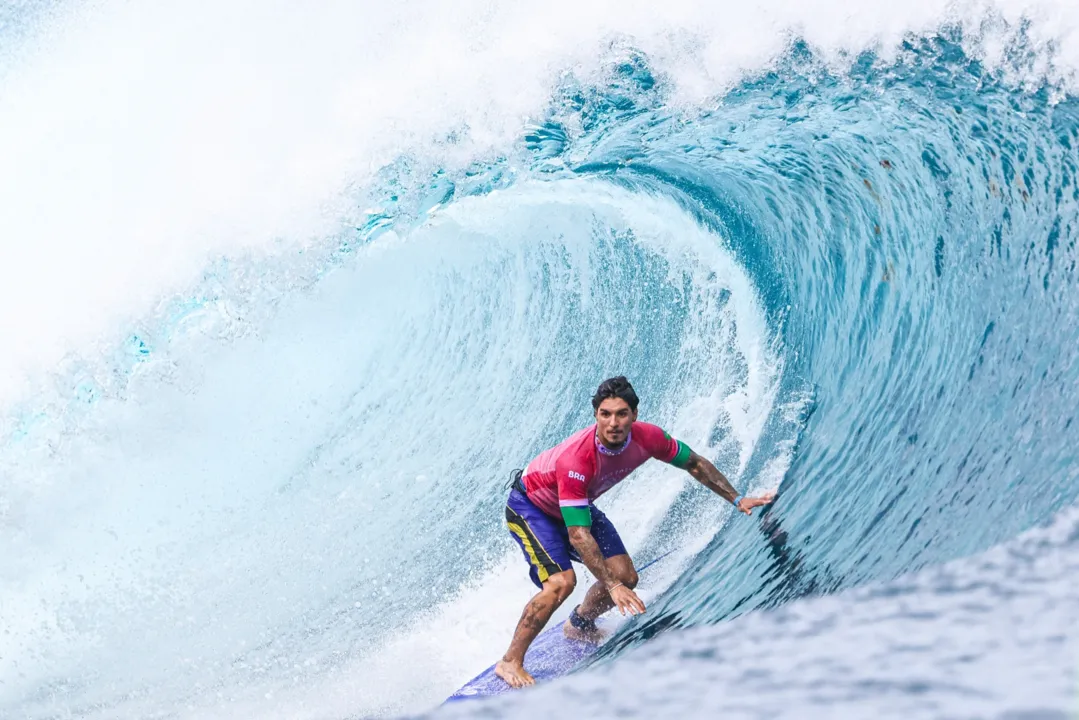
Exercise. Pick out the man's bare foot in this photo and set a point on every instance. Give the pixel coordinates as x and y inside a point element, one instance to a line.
<point>513,673</point>
<point>588,636</point>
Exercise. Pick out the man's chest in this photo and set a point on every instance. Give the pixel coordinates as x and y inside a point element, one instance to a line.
<point>611,470</point>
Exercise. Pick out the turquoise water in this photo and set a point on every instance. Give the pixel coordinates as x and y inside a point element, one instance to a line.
<point>276,491</point>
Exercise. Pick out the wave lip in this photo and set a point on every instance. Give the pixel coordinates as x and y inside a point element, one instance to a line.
<point>128,171</point>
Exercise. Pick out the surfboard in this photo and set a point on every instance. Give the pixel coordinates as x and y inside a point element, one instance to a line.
<point>551,655</point>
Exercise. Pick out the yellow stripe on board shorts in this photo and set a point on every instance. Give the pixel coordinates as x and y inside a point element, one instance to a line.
<point>537,555</point>
<point>530,549</point>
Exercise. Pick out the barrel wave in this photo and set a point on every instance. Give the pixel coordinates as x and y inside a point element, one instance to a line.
<point>278,494</point>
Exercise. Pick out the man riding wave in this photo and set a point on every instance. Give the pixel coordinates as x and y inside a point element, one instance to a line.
<point>550,514</point>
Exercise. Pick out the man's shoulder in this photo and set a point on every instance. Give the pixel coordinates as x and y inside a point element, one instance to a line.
<point>654,440</point>
<point>641,424</point>
<point>582,439</point>
<point>648,431</point>
<point>577,450</point>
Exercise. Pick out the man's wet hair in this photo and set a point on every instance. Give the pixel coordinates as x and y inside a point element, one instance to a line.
<point>616,387</point>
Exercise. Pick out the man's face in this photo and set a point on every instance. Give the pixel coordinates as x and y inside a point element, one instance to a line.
<point>613,420</point>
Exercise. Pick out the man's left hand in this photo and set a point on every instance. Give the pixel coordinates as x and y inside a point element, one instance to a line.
<point>747,504</point>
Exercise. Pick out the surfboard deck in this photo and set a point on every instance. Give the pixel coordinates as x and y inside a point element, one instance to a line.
<point>551,655</point>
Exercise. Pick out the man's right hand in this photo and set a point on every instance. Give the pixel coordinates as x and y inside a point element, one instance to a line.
<point>626,600</point>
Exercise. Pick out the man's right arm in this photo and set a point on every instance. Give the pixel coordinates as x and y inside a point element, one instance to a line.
<point>580,536</point>
<point>577,514</point>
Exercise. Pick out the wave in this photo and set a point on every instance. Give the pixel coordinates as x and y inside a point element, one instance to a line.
<point>848,277</point>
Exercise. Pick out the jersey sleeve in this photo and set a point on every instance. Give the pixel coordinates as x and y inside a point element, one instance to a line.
<point>661,445</point>
<point>573,494</point>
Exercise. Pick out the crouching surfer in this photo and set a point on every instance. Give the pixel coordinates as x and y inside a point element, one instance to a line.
<point>551,516</point>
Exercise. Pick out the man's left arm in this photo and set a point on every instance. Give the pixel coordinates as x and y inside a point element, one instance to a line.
<point>708,475</point>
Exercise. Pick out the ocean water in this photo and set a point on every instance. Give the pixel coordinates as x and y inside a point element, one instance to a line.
<point>288,291</point>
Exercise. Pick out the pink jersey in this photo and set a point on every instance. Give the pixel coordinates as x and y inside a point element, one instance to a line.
<point>563,481</point>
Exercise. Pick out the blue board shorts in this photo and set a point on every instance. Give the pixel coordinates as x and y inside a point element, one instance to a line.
<point>544,540</point>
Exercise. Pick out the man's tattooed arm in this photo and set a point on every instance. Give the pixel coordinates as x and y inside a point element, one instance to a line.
<point>706,474</point>
<point>580,537</point>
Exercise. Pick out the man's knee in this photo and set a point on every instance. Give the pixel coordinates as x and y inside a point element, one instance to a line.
<point>561,584</point>
<point>630,578</point>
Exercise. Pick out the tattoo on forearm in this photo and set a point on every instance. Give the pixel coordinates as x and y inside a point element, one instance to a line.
<point>708,475</point>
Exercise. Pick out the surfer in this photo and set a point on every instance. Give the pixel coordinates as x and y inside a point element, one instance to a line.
<point>551,516</point>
